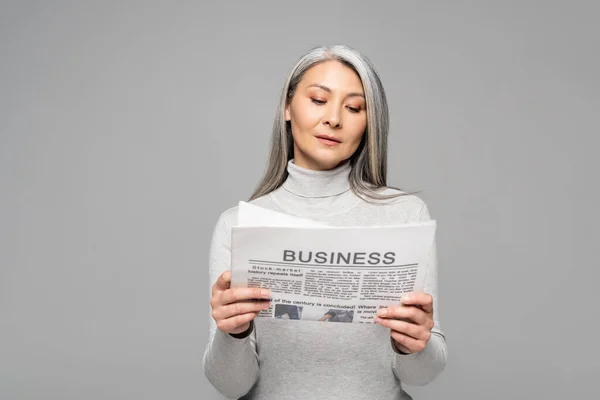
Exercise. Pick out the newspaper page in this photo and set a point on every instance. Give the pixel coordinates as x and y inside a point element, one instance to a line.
<point>323,273</point>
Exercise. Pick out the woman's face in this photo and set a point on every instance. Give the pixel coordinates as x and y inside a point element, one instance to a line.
<point>327,115</point>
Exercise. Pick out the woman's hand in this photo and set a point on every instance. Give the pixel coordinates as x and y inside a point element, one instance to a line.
<point>234,308</point>
<point>410,323</point>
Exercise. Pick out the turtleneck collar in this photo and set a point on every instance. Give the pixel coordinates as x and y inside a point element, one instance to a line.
<point>310,183</point>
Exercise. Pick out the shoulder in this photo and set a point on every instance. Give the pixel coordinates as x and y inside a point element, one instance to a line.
<point>221,235</point>
<point>398,201</point>
<point>227,219</point>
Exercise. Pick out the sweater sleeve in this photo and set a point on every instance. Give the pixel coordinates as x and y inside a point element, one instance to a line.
<point>418,369</point>
<point>230,364</point>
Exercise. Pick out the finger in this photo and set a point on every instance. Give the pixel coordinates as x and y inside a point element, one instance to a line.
<point>413,345</point>
<point>424,300</point>
<point>223,282</point>
<point>231,325</point>
<point>415,314</point>
<point>406,328</point>
<point>244,293</point>
<point>231,310</point>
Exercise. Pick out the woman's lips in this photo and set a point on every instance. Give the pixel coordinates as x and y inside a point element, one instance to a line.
<point>328,140</point>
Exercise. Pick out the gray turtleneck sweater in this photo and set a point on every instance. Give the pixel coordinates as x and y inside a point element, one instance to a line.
<point>290,359</point>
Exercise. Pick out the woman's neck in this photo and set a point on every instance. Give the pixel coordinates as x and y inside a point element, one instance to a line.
<point>309,183</point>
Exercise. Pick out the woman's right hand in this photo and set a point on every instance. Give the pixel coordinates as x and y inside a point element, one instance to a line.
<point>234,308</point>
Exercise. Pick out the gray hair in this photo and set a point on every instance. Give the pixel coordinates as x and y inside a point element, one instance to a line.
<point>369,161</point>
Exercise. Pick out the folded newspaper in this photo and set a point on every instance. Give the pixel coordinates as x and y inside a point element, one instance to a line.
<point>318,272</point>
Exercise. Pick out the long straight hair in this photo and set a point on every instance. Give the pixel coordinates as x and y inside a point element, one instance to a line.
<point>369,162</point>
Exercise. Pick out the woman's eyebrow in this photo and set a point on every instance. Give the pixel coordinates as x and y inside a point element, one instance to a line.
<point>325,88</point>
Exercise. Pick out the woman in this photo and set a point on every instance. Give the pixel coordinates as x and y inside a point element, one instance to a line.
<point>327,163</point>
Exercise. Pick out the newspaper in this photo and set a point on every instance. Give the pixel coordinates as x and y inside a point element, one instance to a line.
<point>318,272</point>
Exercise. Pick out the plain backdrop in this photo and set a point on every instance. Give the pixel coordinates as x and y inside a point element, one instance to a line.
<point>127,127</point>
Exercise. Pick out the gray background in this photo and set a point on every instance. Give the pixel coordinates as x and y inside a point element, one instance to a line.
<point>126,128</point>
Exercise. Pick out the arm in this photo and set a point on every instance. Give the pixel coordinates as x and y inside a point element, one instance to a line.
<point>421,368</point>
<point>230,363</point>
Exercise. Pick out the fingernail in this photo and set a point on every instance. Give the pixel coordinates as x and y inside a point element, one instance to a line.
<point>405,299</point>
<point>265,292</point>
<point>382,312</point>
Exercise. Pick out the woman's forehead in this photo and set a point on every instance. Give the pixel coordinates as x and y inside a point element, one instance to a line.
<point>332,76</point>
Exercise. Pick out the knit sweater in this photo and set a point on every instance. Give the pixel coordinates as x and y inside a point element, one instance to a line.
<point>291,359</point>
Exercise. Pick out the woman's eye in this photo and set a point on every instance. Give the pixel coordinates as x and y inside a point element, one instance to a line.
<point>317,101</point>
<point>354,109</point>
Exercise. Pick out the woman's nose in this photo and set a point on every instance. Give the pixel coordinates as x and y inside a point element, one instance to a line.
<point>332,116</point>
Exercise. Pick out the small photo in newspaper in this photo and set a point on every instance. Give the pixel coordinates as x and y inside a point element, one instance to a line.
<point>312,313</point>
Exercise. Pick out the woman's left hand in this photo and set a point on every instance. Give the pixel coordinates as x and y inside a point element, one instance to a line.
<point>410,322</point>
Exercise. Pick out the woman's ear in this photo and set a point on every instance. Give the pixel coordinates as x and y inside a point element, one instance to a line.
<point>287,113</point>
